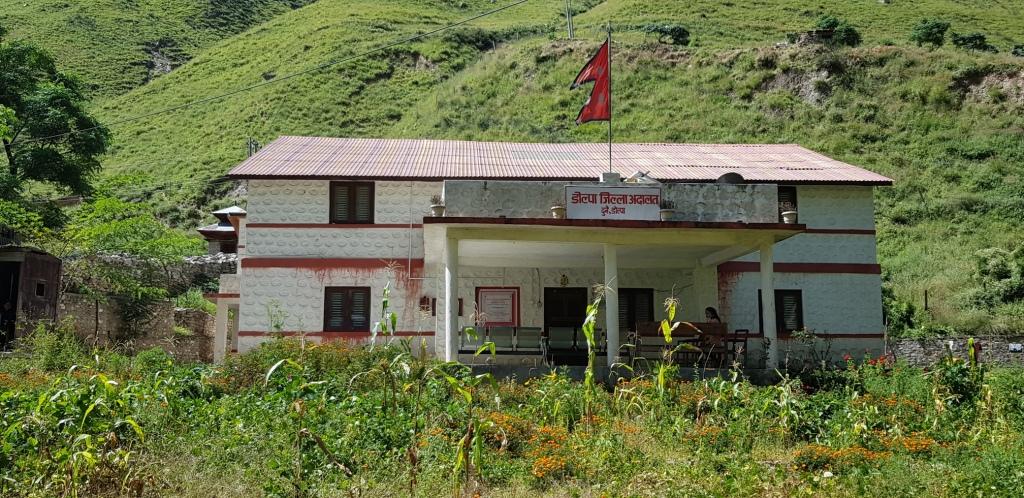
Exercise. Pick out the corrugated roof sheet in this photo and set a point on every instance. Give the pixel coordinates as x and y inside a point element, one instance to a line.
<point>320,157</point>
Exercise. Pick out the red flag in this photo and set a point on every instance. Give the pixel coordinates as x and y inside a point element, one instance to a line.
<point>599,105</point>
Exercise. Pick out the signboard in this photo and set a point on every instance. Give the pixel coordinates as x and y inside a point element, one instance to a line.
<point>596,202</point>
<point>498,306</point>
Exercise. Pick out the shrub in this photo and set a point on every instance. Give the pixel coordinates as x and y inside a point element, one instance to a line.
<point>974,41</point>
<point>843,33</point>
<point>674,34</point>
<point>478,38</point>
<point>54,348</point>
<point>1018,50</point>
<point>929,32</point>
<point>193,299</point>
<point>151,361</point>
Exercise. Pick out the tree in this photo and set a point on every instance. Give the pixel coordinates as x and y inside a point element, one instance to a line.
<point>929,31</point>
<point>47,134</point>
<point>843,33</point>
<point>115,248</point>
<point>974,41</point>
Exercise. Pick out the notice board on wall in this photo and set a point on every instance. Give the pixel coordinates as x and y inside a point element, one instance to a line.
<point>498,306</point>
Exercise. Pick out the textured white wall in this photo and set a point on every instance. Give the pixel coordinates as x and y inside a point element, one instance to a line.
<point>299,293</point>
<point>333,242</point>
<point>823,248</point>
<point>840,206</point>
<point>308,201</point>
<point>832,302</point>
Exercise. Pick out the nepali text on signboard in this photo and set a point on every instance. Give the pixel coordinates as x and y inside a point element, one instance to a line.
<point>612,203</point>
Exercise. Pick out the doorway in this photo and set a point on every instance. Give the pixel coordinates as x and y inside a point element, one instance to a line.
<point>565,309</point>
<point>9,278</point>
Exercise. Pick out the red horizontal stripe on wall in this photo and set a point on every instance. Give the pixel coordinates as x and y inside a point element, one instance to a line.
<point>327,263</point>
<point>752,267</point>
<point>216,295</point>
<point>841,231</point>
<point>333,225</point>
<point>333,335</point>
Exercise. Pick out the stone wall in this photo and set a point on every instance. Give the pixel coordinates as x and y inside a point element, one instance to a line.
<point>100,325</point>
<point>927,352</point>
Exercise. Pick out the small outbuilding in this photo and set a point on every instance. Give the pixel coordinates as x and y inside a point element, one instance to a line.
<point>29,283</point>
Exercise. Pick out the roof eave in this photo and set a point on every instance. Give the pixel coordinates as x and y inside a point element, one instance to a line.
<point>865,183</point>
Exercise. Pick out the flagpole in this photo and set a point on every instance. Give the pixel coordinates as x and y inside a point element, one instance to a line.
<point>609,96</point>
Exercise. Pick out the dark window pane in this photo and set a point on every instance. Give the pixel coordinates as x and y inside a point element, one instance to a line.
<point>351,202</point>
<point>364,204</point>
<point>340,204</point>
<point>360,309</point>
<point>347,309</point>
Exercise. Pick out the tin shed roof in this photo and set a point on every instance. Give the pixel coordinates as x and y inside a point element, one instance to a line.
<point>338,158</point>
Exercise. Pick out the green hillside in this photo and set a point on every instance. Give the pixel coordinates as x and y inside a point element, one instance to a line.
<point>945,123</point>
<point>117,45</point>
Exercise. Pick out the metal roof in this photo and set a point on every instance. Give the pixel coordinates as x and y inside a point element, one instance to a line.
<point>320,157</point>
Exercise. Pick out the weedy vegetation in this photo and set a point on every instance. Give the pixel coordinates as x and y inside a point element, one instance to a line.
<point>293,418</point>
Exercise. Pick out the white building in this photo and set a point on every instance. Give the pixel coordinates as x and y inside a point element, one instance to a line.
<point>331,221</point>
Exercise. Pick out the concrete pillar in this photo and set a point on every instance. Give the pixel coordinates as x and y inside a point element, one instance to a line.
<point>705,283</point>
<point>611,301</point>
<point>451,299</point>
<point>220,335</point>
<point>768,304</point>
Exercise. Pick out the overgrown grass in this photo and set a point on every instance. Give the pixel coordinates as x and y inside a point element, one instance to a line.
<point>293,419</point>
<point>108,43</point>
<point>193,299</point>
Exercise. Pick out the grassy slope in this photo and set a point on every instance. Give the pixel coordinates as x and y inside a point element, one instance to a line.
<point>957,161</point>
<point>103,41</point>
<point>364,97</point>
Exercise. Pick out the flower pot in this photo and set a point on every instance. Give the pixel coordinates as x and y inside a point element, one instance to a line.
<point>558,212</point>
<point>437,210</point>
<point>789,217</point>
<point>667,214</point>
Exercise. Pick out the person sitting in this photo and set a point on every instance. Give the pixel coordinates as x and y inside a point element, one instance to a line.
<point>711,315</point>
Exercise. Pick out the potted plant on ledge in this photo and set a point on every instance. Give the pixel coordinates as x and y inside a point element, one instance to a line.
<point>788,212</point>
<point>558,210</point>
<point>436,205</point>
<point>668,210</point>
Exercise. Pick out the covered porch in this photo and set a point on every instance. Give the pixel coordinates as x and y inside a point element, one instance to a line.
<point>523,283</point>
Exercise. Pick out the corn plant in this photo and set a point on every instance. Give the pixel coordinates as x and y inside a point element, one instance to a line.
<point>469,449</point>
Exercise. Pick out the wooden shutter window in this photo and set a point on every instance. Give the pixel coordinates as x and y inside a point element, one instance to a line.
<point>789,311</point>
<point>351,202</point>
<point>635,306</point>
<point>347,309</point>
<point>789,315</point>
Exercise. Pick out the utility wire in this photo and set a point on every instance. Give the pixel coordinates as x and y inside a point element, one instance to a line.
<point>286,77</point>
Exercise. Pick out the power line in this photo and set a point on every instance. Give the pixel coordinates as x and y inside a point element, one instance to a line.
<point>286,77</point>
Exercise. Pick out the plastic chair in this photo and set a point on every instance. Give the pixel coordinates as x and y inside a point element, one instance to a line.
<point>528,339</point>
<point>561,338</point>
<point>502,337</point>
